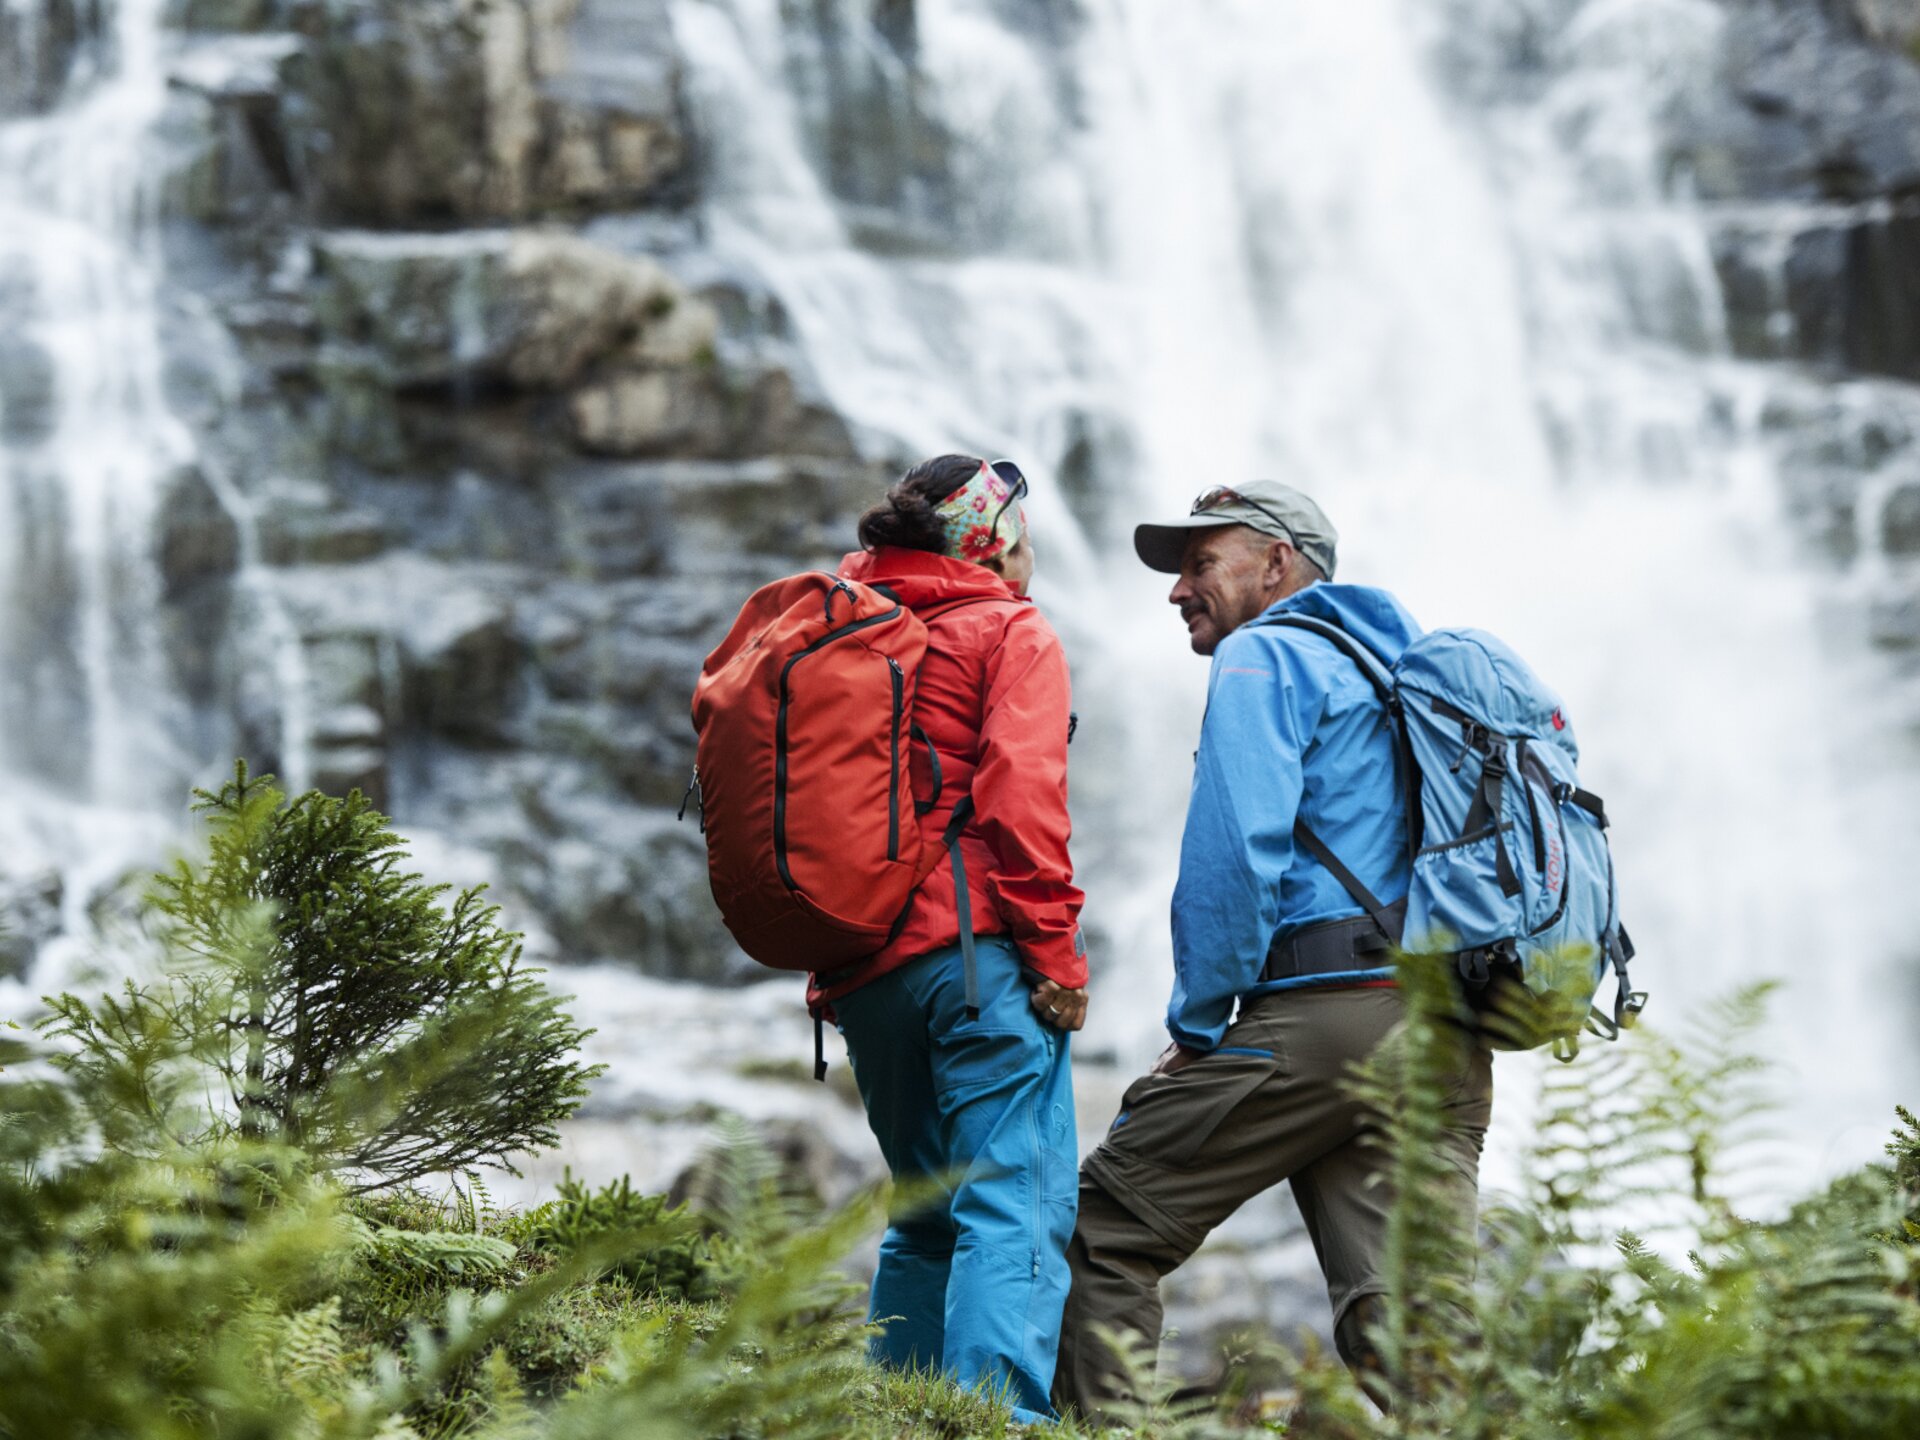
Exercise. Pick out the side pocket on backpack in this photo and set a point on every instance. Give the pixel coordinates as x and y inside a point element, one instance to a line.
<point>1457,902</point>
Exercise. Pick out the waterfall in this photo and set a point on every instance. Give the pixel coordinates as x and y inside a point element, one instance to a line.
<point>1168,246</point>
<point>1375,248</point>
<point>97,746</point>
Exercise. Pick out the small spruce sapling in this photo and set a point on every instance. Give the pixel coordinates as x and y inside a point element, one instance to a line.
<point>346,1012</point>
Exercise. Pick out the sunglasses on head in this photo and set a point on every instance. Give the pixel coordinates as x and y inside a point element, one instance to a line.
<point>1015,482</point>
<point>1223,495</point>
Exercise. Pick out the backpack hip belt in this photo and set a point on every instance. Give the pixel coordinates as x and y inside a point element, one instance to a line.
<point>1335,947</point>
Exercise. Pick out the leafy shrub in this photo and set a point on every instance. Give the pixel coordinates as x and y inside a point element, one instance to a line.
<point>1801,1326</point>
<point>174,1268</point>
<point>671,1256</point>
<point>1904,1151</point>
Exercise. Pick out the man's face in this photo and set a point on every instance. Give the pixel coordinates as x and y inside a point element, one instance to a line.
<point>1225,576</point>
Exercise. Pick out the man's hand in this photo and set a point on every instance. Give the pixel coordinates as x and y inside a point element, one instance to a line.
<point>1061,1008</point>
<point>1175,1057</point>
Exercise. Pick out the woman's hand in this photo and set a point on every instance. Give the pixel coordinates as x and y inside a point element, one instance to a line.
<point>1061,1008</point>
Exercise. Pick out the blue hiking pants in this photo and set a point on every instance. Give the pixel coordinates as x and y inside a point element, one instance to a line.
<point>972,1283</point>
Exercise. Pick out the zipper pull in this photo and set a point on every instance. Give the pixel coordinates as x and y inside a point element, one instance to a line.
<point>693,787</point>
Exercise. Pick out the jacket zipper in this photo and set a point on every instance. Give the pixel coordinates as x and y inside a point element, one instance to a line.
<point>780,735</point>
<point>893,782</point>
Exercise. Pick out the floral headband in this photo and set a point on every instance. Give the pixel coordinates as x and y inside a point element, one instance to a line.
<point>981,519</point>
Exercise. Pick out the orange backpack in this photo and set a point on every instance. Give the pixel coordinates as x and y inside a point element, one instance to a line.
<point>804,717</point>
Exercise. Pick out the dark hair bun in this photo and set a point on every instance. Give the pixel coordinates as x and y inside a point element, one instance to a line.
<point>906,517</point>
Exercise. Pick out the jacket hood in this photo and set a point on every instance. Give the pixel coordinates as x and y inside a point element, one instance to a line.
<point>920,578</point>
<point>1370,615</point>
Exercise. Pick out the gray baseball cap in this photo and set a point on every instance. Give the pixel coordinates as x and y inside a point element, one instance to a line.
<point>1264,505</point>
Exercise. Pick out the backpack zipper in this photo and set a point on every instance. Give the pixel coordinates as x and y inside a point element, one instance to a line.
<point>1566,876</point>
<point>893,782</point>
<point>1533,763</point>
<point>1533,806</point>
<point>780,735</point>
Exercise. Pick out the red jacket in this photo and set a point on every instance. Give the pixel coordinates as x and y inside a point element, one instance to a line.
<point>993,698</point>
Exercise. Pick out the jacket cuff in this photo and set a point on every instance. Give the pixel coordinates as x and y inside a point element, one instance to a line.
<point>1059,958</point>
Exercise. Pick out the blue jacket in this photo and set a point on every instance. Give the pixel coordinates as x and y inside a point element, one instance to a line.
<point>1292,728</point>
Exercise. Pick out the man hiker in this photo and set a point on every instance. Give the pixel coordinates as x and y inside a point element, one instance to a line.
<point>1296,767</point>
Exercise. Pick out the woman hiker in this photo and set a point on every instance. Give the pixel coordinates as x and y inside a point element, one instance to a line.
<point>979,1106</point>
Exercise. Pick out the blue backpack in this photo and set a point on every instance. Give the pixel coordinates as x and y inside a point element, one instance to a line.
<point>1512,873</point>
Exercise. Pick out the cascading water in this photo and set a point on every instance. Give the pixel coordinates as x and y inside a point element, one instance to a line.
<point>87,738</point>
<point>1182,244</point>
<point>96,744</point>
<point>1146,248</point>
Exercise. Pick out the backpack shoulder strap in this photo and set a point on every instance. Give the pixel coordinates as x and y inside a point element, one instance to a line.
<point>1381,679</point>
<point>1369,663</point>
<point>950,842</point>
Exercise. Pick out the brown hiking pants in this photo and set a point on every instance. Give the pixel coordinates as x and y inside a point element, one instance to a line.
<point>1189,1148</point>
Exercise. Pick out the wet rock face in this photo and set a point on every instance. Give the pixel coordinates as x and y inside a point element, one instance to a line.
<point>1812,104</point>
<point>1811,142</point>
<point>529,310</point>
<point>410,111</point>
<point>508,484</point>
<point>41,41</point>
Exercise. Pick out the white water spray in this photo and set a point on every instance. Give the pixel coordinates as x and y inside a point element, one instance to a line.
<point>1256,238</point>
<point>94,760</point>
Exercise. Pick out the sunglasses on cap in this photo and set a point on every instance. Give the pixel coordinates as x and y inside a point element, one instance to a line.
<point>1224,495</point>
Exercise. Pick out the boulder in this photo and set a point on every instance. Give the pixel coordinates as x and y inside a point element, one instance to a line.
<point>528,309</point>
<point>429,110</point>
<point>651,413</point>
<point>704,411</point>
